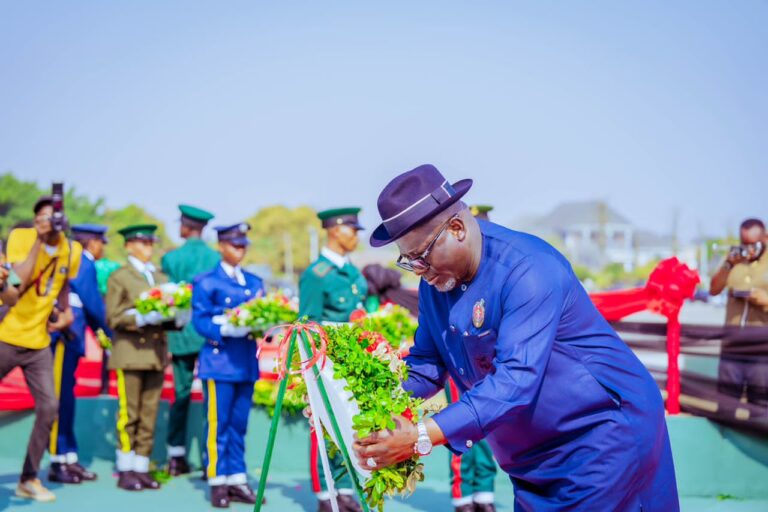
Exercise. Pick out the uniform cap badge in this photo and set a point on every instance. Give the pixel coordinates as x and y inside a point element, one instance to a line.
<point>478,313</point>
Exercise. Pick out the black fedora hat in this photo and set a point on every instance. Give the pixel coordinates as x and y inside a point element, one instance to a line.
<point>413,198</point>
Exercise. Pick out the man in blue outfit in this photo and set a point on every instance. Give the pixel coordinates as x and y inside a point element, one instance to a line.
<point>227,366</point>
<point>571,414</point>
<point>89,311</point>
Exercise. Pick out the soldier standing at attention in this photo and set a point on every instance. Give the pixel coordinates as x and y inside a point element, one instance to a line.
<point>184,264</point>
<point>139,356</point>
<point>88,310</point>
<point>228,366</point>
<point>329,291</point>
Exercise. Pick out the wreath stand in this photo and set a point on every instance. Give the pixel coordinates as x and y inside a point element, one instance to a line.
<point>302,337</point>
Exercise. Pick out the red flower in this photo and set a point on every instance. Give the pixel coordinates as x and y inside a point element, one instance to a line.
<point>155,293</point>
<point>357,315</point>
<point>408,414</point>
<point>374,339</point>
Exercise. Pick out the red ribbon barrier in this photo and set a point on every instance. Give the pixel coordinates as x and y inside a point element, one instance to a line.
<point>314,331</point>
<point>670,284</point>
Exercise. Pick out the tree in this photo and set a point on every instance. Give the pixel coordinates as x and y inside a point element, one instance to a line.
<point>272,227</point>
<point>131,214</point>
<point>17,197</point>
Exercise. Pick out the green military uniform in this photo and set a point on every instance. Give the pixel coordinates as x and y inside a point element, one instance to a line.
<point>184,264</point>
<point>329,291</point>
<point>139,356</point>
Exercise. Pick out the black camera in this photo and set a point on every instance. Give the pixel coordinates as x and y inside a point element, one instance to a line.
<point>58,219</point>
<point>743,250</point>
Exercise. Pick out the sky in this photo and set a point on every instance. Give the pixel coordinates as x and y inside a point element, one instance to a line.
<point>659,108</point>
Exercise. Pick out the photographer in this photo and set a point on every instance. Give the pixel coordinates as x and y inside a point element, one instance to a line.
<point>745,274</point>
<point>44,261</point>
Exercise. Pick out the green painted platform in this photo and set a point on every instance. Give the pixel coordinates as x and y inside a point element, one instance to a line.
<point>711,461</point>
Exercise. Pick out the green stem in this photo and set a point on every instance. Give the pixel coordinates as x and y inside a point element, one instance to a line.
<point>273,426</point>
<point>342,446</point>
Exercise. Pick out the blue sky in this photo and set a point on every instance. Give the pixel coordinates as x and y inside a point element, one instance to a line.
<point>653,106</point>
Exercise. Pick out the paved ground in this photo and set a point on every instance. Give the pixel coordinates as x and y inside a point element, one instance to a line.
<point>286,493</point>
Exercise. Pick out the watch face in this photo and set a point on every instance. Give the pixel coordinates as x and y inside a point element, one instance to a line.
<point>424,447</point>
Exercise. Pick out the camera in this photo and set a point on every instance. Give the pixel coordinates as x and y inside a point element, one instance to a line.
<point>742,251</point>
<point>58,219</point>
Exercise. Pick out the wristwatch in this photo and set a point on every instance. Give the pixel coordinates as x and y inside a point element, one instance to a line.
<point>423,444</point>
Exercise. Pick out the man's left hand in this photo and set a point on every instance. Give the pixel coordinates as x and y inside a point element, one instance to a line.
<point>387,447</point>
<point>759,297</point>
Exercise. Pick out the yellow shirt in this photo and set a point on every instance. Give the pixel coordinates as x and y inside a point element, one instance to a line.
<point>25,325</point>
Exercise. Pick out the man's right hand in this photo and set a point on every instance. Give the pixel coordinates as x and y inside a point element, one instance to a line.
<point>3,277</point>
<point>734,258</point>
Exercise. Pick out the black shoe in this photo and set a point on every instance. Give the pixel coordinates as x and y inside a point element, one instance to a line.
<point>128,481</point>
<point>243,494</point>
<point>469,507</point>
<point>220,496</point>
<point>324,506</point>
<point>62,474</point>
<point>178,466</point>
<point>347,503</point>
<point>85,475</point>
<point>485,507</point>
<point>146,481</point>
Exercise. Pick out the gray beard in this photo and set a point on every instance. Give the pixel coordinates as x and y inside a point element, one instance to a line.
<point>447,286</point>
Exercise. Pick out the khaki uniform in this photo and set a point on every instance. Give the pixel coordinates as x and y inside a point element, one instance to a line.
<point>741,374</point>
<point>744,277</point>
<point>139,356</point>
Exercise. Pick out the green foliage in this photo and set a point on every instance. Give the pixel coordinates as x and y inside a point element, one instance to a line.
<point>17,197</point>
<point>393,322</point>
<point>373,373</point>
<point>294,400</point>
<point>270,227</point>
<point>263,313</point>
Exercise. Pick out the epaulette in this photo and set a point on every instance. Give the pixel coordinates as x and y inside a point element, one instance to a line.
<point>321,269</point>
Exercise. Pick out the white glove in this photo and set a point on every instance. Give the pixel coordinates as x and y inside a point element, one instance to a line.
<point>233,331</point>
<point>183,317</point>
<point>151,318</point>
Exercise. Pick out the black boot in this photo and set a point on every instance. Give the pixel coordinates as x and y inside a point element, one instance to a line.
<point>324,506</point>
<point>485,507</point>
<point>128,481</point>
<point>347,503</point>
<point>243,493</point>
<point>147,482</point>
<point>178,466</point>
<point>469,507</point>
<point>62,474</point>
<point>85,475</point>
<point>220,496</point>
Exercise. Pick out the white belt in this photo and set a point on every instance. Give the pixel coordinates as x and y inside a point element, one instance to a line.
<point>75,301</point>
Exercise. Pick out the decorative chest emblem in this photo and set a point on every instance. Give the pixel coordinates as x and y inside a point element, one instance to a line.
<point>478,313</point>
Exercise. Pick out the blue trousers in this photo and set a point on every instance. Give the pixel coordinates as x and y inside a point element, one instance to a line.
<point>227,406</point>
<point>65,359</point>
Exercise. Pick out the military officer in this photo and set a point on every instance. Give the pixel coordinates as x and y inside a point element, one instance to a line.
<point>184,264</point>
<point>571,414</point>
<point>139,356</point>
<point>474,472</point>
<point>228,366</point>
<point>329,291</point>
<point>89,311</point>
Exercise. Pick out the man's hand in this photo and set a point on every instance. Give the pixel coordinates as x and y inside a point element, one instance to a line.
<point>3,277</point>
<point>759,297</point>
<point>387,447</point>
<point>63,320</point>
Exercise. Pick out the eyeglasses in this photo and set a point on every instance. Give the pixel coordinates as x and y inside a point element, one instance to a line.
<point>420,263</point>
